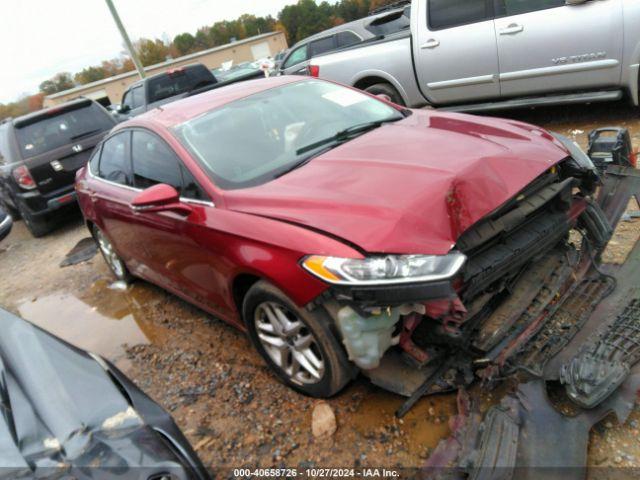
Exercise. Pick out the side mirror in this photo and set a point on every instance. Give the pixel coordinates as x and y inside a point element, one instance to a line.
<point>160,198</point>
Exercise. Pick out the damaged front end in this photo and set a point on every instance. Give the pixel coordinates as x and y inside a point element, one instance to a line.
<point>514,290</point>
<point>533,303</point>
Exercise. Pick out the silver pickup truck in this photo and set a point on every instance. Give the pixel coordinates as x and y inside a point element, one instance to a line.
<point>475,55</point>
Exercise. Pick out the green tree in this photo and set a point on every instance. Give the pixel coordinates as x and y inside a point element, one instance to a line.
<point>151,51</point>
<point>90,74</point>
<point>184,43</point>
<point>58,83</point>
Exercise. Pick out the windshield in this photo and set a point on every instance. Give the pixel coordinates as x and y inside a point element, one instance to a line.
<point>254,140</point>
<point>57,130</point>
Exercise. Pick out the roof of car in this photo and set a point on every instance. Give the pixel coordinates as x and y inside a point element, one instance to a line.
<point>180,111</point>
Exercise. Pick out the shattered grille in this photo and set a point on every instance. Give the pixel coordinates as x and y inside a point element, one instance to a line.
<point>567,320</point>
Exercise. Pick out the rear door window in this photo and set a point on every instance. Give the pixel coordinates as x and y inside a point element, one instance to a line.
<point>518,7</point>
<point>346,39</point>
<point>453,13</point>
<point>54,130</point>
<point>154,162</point>
<point>323,45</point>
<point>115,163</point>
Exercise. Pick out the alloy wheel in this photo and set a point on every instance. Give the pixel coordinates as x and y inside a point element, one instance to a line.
<point>110,255</point>
<point>289,343</point>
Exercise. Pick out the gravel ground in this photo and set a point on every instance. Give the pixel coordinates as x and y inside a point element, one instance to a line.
<point>218,389</point>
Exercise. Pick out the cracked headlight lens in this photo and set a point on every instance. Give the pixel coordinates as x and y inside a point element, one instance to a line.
<point>384,270</point>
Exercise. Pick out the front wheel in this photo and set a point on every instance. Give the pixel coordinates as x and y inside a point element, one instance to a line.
<point>298,345</point>
<point>114,262</point>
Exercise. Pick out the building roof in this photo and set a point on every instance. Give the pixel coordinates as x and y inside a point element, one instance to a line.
<point>168,63</point>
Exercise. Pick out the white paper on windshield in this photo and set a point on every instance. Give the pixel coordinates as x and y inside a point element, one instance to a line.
<point>344,97</point>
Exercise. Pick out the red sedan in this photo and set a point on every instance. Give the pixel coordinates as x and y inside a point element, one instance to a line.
<point>338,229</point>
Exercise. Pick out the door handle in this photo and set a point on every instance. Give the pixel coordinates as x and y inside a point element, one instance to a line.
<point>431,43</point>
<point>512,29</point>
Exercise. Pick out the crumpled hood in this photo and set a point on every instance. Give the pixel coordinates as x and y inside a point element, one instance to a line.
<point>410,187</point>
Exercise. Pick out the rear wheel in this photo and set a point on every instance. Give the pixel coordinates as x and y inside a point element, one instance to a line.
<point>298,345</point>
<point>38,227</point>
<point>114,262</point>
<point>386,90</point>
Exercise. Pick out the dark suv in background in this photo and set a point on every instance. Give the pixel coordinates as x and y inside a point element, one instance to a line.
<point>39,156</point>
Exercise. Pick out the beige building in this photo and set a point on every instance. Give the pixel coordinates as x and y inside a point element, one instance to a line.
<point>110,90</point>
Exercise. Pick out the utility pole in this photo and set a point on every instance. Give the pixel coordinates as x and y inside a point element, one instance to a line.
<point>125,37</point>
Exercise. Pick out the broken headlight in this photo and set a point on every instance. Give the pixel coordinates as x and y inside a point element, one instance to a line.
<point>384,270</point>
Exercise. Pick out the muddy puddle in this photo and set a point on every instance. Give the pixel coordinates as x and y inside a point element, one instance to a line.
<point>101,320</point>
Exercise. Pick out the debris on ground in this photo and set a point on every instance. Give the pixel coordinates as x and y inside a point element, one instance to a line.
<point>84,251</point>
<point>323,420</point>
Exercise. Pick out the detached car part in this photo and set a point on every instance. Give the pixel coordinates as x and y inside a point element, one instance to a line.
<point>611,146</point>
<point>64,412</point>
<point>603,365</point>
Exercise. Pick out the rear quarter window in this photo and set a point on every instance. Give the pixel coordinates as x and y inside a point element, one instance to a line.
<point>57,130</point>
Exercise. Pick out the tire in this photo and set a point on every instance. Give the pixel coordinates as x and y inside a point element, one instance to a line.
<point>386,89</point>
<point>309,340</point>
<point>38,227</point>
<point>111,258</point>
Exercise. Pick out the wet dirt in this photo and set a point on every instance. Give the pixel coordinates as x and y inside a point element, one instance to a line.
<point>219,390</point>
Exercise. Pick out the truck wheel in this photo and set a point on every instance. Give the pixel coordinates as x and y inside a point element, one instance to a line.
<point>298,345</point>
<point>387,90</point>
<point>38,227</point>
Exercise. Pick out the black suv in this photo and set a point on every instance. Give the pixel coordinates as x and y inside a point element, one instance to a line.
<point>40,154</point>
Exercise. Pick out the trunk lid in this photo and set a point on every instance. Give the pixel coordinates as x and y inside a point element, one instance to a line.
<point>56,143</point>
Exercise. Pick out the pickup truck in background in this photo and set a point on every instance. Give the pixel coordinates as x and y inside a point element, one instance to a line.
<point>478,55</point>
<point>169,86</point>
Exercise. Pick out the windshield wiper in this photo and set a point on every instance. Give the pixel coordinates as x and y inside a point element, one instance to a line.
<point>346,134</point>
<point>85,134</point>
<point>302,162</point>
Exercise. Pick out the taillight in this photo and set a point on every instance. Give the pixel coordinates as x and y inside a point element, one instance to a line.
<point>22,176</point>
<point>314,70</point>
<point>634,158</point>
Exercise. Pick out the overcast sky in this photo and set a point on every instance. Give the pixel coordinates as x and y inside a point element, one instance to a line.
<point>39,38</point>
